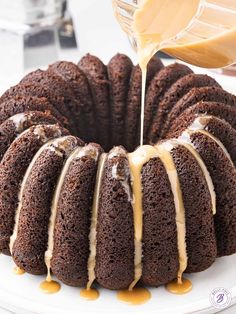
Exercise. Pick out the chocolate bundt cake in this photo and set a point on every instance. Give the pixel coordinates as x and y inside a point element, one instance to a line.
<point>80,199</point>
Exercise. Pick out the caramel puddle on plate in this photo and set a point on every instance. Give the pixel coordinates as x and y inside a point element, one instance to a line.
<point>18,271</point>
<point>136,296</point>
<point>50,287</point>
<point>179,288</point>
<point>89,294</point>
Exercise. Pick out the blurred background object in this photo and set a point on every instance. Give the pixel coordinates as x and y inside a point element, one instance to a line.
<point>230,71</point>
<point>32,33</point>
<point>30,12</point>
<point>66,28</point>
<point>97,30</point>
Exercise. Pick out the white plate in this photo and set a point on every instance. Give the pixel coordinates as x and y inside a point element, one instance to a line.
<point>21,293</point>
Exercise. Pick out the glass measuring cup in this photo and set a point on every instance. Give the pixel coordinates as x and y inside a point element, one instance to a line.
<point>208,38</point>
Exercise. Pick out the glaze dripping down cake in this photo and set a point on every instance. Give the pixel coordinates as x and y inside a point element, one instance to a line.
<point>79,199</point>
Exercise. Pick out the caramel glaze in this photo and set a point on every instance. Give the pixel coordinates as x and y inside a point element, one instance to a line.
<point>92,234</point>
<point>18,271</point>
<point>90,294</point>
<point>136,161</point>
<point>177,287</point>
<point>50,286</point>
<point>136,296</point>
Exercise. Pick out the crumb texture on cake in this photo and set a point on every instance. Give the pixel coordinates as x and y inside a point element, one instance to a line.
<point>70,167</point>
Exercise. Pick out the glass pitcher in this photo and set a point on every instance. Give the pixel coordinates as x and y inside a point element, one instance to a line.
<point>208,39</point>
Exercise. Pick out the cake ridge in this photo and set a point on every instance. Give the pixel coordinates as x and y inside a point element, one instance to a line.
<point>178,90</point>
<point>41,177</point>
<point>58,190</point>
<point>109,210</point>
<point>92,234</point>
<point>192,129</point>
<point>12,170</point>
<point>55,144</point>
<point>185,143</point>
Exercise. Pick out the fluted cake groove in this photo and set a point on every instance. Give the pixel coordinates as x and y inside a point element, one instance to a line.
<point>71,176</point>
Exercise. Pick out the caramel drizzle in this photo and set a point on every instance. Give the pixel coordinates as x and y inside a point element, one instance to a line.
<point>218,142</point>
<point>18,271</point>
<point>144,78</point>
<point>166,158</point>
<point>199,126</point>
<point>89,294</point>
<point>25,179</point>
<point>54,143</point>
<point>176,288</point>
<point>57,193</point>
<point>136,161</point>
<point>92,234</point>
<point>192,150</point>
<point>163,151</point>
<point>59,147</point>
<point>50,286</point>
<point>136,296</point>
<point>76,154</point>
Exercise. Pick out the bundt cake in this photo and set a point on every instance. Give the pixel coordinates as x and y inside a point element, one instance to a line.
<point>79,199</point>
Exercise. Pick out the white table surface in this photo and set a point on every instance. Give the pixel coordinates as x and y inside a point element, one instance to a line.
<point>230,310</point>
<point>99,34</point>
